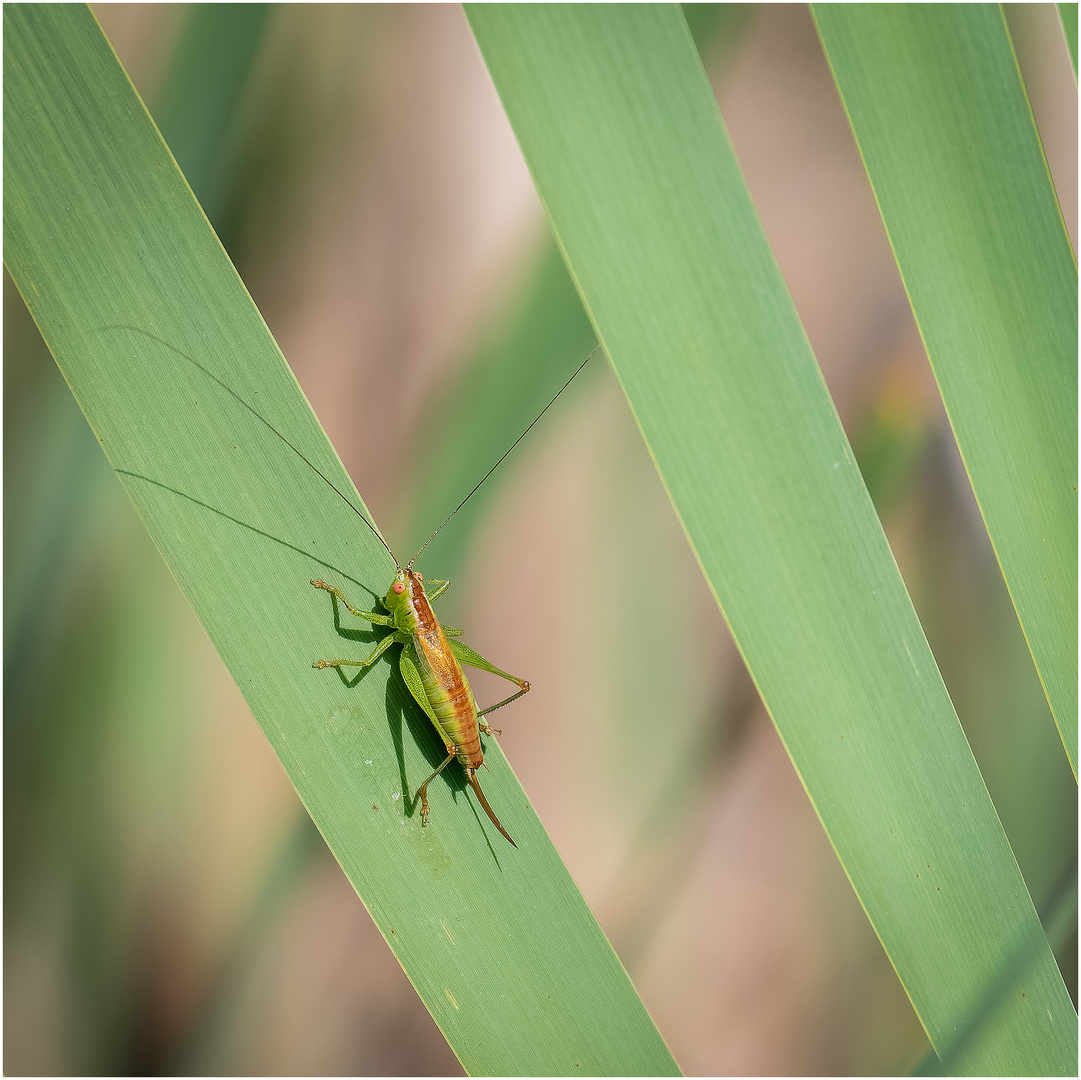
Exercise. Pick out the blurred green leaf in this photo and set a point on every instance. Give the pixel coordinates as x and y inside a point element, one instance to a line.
<point>938,109</point>
<point>207,78</point>
<point>504,388</point>
<point>1068,14</point>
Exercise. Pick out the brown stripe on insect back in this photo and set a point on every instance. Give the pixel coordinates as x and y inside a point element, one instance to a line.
<point>458,697</point>
<point>432,641</point>
<point>426,619</point>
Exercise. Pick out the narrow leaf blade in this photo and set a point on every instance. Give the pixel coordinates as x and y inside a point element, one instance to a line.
<point>940,115</point>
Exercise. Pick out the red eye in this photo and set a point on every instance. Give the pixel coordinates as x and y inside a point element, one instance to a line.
<point>399,587</point>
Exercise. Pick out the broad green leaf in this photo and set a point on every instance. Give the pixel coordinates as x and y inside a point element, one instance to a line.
<point>941,118</point>
<point>621,133</point>
<point>126,282</point>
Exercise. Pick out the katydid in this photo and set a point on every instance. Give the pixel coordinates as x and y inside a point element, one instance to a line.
<point>430,663</point>
<point>431,667</point>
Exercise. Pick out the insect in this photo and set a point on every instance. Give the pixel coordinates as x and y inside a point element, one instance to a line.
<point>430,662</point>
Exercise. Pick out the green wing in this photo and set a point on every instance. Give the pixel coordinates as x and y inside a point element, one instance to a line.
<point>411,674</point>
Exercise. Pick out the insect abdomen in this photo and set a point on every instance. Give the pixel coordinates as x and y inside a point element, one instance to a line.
<point>451,699</point>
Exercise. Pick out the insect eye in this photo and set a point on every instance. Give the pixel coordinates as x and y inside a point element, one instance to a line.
<point>399,587</point>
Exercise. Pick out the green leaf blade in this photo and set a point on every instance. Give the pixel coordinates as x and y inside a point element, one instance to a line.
<point>938,109</point>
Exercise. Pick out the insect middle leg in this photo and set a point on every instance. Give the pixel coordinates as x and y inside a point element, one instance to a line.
<point>390,639</point>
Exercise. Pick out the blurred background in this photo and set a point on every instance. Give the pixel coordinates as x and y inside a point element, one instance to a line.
<point>168,905</point>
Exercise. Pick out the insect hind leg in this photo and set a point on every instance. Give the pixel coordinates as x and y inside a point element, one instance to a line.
<point>469,656</point>
<point>422,791</point>
<point>525,688</point>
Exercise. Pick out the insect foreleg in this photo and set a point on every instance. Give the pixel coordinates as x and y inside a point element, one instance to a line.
<point>371,616</point>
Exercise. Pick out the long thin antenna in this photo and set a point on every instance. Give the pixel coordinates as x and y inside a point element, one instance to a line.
<point>258,416</point>
<point>409,565</point>
<point>263,420</point>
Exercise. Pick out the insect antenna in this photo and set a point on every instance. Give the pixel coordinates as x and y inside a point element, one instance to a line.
<point>409,565</point>
<point>262,419</point>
